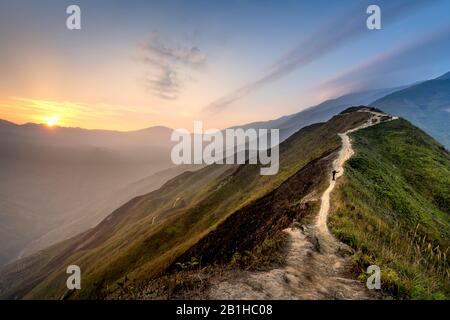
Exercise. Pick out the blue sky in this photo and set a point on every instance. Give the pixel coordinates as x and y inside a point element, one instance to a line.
<point>140,63</point>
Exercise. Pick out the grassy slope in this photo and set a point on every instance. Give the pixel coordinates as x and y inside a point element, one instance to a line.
<point>393,208</point>
<point>425,104</point>
<point>185,210</point>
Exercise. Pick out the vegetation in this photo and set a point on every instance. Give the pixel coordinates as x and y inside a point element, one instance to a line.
<point>355,109</point>
<point>425,104</point>
<point>149,234</point>
<point>393,209</point>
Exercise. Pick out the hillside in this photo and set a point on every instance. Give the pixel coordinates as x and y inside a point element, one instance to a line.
<point>58,182</point>
<point>390,207</point>
<point>322,112</point>
<point>393,208</point>
<point>145,236</point>
<point>426,105</point>
<point>49,173</point>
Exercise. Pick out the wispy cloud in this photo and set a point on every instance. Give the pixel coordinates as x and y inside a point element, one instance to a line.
<point>336,33</point>
<point>169,66</point>
<point>375,71</point>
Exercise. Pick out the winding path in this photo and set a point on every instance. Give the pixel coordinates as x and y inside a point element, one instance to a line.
<point>316,267</point>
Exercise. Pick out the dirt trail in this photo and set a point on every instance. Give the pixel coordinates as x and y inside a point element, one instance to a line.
<point>316,267</point>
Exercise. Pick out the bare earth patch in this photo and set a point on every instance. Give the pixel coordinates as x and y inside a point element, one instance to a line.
<point>316,265</point>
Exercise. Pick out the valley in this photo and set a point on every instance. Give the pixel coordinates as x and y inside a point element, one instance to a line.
<point>234,233</point>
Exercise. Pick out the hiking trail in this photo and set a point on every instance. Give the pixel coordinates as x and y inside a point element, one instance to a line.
<point>317,266</point>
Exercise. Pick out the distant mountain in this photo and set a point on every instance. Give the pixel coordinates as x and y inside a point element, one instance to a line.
<point>99,207</point>
<point>221,214</point>
<point>64,136</point>
<point>93,165</point>
<point>322,112</point>
<point>444,77</point>
<point>427,105</point>
<point>145,235</point>
<point>57,182</point>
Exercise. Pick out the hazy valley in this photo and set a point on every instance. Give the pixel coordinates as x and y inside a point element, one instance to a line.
<point>61,183</point>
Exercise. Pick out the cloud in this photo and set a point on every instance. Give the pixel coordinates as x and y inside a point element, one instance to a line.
<point>169,66</point>
<point>375,71</point>
<point>321,42</point>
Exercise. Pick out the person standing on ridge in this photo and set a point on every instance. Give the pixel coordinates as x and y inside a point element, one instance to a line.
<point>334,174</point>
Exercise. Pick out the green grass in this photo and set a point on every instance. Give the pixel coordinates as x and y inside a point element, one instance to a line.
<point>128,245</point>
<point>393,208</point>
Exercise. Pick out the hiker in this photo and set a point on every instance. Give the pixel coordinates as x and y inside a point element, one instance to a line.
<point>334,174</point>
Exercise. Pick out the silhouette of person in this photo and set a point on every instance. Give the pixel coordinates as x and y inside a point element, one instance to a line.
<point>334,174</point>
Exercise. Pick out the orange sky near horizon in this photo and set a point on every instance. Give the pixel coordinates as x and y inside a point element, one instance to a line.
<point>70,114</point>
<point>169,65</point>
<point>106,116</point>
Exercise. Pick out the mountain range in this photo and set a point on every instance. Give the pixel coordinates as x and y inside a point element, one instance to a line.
<point>426,104</point>
<point>228,217</point>
<point>49,173</point>
<point>60,185</point>
<point>57,182</point>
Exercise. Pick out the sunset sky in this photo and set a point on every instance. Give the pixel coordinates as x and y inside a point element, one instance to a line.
<point>136,64</point>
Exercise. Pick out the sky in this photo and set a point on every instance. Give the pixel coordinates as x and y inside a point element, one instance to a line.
<point>136,64</point>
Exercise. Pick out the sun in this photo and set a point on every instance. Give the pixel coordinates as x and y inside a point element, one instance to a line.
<point>52,120</point>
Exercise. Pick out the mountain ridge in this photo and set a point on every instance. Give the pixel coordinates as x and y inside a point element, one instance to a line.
<point>214,192</point>
<point>445,76</point>
<point>143,244</point>
<point>43,125</point>
<point>425,104</point>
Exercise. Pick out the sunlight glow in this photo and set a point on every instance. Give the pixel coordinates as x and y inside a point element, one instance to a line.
<point>52,120</point>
